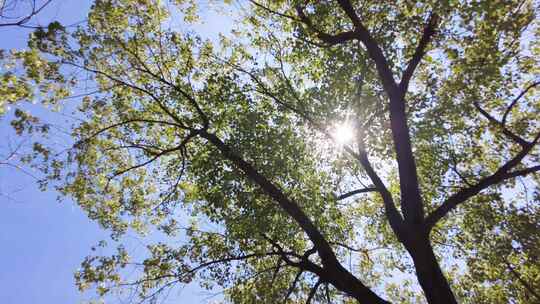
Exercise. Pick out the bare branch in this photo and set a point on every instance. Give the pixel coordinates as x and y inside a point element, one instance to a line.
<point>22,21</point>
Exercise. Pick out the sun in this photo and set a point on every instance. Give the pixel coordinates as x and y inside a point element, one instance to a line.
<point>343,133</point>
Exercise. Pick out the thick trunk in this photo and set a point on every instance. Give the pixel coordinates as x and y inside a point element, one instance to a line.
<point>429,273</point>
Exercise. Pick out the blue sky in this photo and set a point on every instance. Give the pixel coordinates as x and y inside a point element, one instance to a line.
<point>43,240</point>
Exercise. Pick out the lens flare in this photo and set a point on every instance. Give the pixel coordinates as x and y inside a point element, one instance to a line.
<point>343,133</point>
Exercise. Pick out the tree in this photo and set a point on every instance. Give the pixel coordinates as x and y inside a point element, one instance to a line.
<point>231,146</point>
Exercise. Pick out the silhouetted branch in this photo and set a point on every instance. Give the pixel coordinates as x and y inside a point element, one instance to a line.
<point>257,4</point>
<point>502,174</point>
<point>504,129</point>
<point>313,291</point>
<point>420,51</point>
<point>292,287</point>
<point>325,37</point>
<point>513,103</point>
<point>358,191</point>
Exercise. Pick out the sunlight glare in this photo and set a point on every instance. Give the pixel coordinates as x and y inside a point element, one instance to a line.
<point>343,133</point>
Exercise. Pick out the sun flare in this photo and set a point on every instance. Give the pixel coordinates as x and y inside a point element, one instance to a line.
<point>343,133</point>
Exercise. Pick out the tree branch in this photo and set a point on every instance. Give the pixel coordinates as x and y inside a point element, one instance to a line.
<point>325,37</point>
<point>313,291</point>
<point>504,129</point>
<point>325,251</point>
<point>411,200</point>
<point>521,280</point>
<point>513,103</point>
<point>23,20</point>
<point>293,286</point>
<point>522,172</point>
<point>177,88</point>
<point>351,13</point>
<point>269,10</point>
<point>358,191</point>
<point>332,269</point>
<point>132,86</point>
<point>361,156</point>
<point>150,121</point>
<point>502,174</point>
<point>429,31</point>
<point>157,155</point>
<point>394,218</point>
<point>228,259</point>
<point>361,33</point>
<point>303,262</point>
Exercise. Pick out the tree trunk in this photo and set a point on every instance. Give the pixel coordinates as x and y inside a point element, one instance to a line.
<point>429,273</point>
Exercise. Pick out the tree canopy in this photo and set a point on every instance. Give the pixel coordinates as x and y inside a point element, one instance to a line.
<point>232,149</point>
